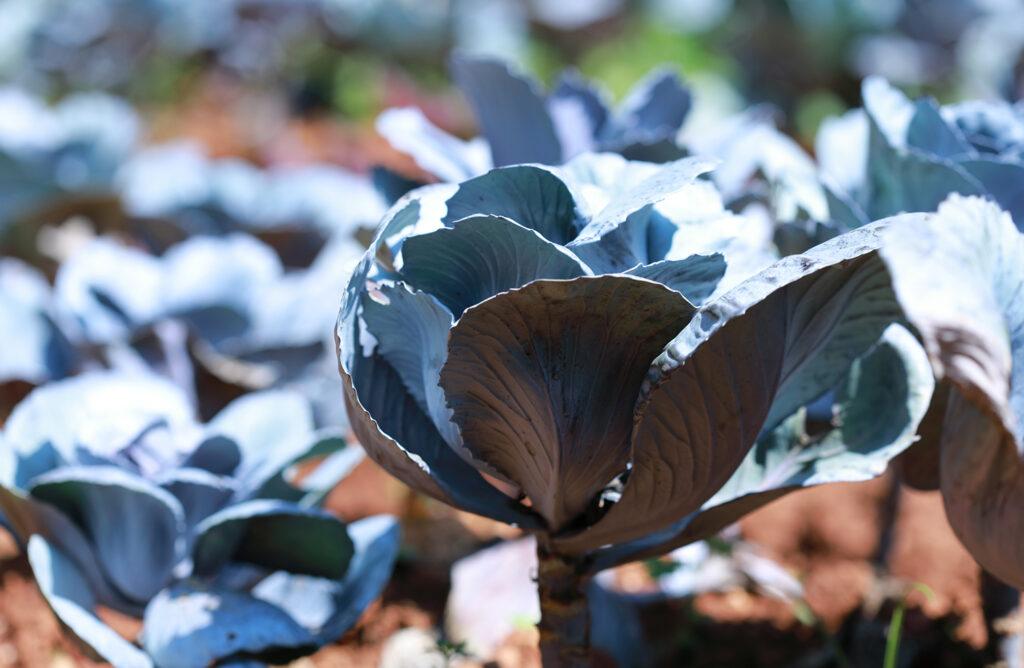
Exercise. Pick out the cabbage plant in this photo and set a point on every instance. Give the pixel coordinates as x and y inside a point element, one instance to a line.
<point>226,303</point>
<point>203,531</point>
<point>902,155</point>
<point>957,275</point>
<point>59,159</point>
<point>175,190</point>
<point>520,123</point>
<point>535,345</point>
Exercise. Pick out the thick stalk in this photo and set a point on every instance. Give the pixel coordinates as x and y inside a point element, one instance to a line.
<point>564,612</point>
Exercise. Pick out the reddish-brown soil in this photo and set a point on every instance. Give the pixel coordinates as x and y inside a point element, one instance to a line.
<point>831,538</point>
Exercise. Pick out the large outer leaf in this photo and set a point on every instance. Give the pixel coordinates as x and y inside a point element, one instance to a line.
<point>136,527</point>
<point>480,256</point>
<point>958,276</point>
<point>510,110</point>
<point>880,406</point>
<point>400,437</point>
<point>532,196</point>
<point>69,596</point>
<point>385,417</point>
<point>542,379</point>
<point>275,535</point>
<point>746,361</point>
<point>192,626</point>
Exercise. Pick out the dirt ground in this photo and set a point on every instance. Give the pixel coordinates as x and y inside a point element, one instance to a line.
<point>831,538</point>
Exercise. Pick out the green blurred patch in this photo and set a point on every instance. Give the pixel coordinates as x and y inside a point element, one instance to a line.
<point>621,61</point>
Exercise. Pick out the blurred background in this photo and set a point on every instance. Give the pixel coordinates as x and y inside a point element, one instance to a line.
<point>294,80</point>
<point>253,114</point>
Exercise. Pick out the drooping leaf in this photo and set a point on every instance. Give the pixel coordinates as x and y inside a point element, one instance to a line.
<point>135,526</point>
<point>919,465</point>
<point>530,195</point>
<point>964,260</point>
<point>906,179</point>
<point>480,256</point>
<point>967,259</point>
<point>194,626</point>
<point>275,535</point>
<point>880,405</point>
<point>510,110</point>
<point>712,392</point>
<point>68,595</point>
<point>541,380</point>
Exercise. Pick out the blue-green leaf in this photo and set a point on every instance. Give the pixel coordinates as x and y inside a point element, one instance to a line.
<point>439,153</point>
<point>480,256</point>
<point>136,527</point>
<point>411,329</point>
<point>329,608</point>
<point>929,132</point>
<point>194,626</point>
<point>70,598</point>
<point>530,195</point>
<point>510,110</point>
<point>275,535</point>
<point>609,242</point>
<point>1004,181</point>
<point>695,278</point>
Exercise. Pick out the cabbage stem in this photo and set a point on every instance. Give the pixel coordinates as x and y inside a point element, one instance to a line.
<point>564,613</point>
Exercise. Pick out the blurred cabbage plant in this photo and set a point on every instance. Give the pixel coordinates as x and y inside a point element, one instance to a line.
<point>522,124</point>
<point>205,531</point>
<point>536,345</point>
<point>901,155</point>
<point>175,191</point>
<point>61,159</point>
<point>226,302</point>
